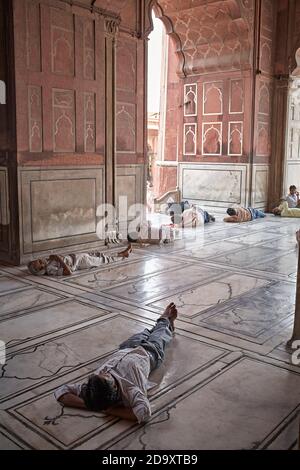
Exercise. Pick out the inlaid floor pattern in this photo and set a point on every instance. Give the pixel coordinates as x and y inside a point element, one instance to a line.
<point>227,382</point>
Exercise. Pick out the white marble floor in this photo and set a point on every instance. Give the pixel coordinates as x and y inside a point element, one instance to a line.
<point>227,382</point>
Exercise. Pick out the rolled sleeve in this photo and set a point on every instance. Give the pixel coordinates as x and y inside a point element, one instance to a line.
<point>70,388</point>
<point>141,407</point>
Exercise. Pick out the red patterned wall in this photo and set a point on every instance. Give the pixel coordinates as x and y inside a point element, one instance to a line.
<point>214,100</point>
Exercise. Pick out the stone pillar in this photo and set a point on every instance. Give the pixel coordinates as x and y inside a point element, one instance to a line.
<point>296,330</point>
<point>280,101</point>
<point>111,29</point>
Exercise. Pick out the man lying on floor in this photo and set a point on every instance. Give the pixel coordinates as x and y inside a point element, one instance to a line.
<point>59,265</point>
<point>119,387</point>
<point>285,211</point>
<point>241,214</point>
<point>192,217</point>
<point>147,233</point>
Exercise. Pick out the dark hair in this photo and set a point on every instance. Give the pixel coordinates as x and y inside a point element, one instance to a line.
<point>292,187</point>
<point>231,211</point>
<point>98,394</point>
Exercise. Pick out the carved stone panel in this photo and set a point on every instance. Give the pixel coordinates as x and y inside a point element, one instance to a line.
<point>35,119</point>
<point>126,65</point>
<point>212,138</point>
<point>190,139</point>
<point>264,98</point>
<point>260,189</point>
<point>266,56</point>
<point>235,138</point>
<point>213,184</point>
<point>212,98</point>
<point>63,121</point>
<point>62,42</point>
<point>89,50</point>
<point>236,98</point>
<point>126,125</point>
<point>263,139</point>
<point>89,122</point>
<point>190,99</point>
<point>33,36</point>
<point>59,206</point>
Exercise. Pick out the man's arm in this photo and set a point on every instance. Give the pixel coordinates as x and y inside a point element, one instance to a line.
<point>71,400</point>
<point>121,412</point>
<point>232,218</point>
<point>66,269</point>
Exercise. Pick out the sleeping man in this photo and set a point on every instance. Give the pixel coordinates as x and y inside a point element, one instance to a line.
<point>241,214</point>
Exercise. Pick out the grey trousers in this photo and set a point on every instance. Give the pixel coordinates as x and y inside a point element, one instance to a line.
<point>153,341</point>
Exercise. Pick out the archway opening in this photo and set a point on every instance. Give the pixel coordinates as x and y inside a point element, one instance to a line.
<point>292,154</point>
<point>163,111</point>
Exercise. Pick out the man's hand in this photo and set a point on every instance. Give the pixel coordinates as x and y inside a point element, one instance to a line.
<point>66,269</point>
<point>121,412</point>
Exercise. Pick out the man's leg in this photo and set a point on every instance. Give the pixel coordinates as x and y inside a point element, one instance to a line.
<point>256,214</point>
<point>160,336</point>
<point>95,259</point>
<point>261,214</point>
<point>135,340</point>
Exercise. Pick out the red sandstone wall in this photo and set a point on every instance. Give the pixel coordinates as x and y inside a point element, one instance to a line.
<point>215,124</point>
<point>61,83</point>
<point>164,179</point>
<point>60,100</point>
<point>70,63</point>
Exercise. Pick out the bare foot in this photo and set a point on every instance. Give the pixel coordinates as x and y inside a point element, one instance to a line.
<point>126,253</point>
<point>171,314</point>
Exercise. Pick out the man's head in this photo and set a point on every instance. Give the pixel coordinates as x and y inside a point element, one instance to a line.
<point>231,211</point>
<point>37,267</point>
<point>100,392</point>
<point>293,189</point>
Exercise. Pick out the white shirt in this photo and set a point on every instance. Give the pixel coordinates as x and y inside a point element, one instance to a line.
<point>131,368</point>
<point>292,200</point>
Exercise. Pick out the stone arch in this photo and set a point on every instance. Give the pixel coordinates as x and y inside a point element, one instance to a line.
<point>195,46</point>
<point>158,11</point>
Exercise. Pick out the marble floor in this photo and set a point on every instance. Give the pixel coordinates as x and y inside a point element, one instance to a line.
<point>227,382</point>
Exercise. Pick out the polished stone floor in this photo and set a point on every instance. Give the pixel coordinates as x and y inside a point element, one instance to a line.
<point>227,382</point>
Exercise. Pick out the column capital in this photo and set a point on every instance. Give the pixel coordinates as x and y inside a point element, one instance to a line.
<point>111,26</point>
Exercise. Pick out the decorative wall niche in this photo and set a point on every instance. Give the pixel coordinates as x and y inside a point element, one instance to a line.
<point>212,138</point>
<point>190,139</point>
<point>190,99</point>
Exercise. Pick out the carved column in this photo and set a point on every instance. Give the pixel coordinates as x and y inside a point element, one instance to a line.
<point>111,28</point>
<point>278,139</point>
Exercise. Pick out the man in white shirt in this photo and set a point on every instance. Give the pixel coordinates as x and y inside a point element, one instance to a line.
<point>293,197</point>
<point>119,387</point>
<point>65,265</point>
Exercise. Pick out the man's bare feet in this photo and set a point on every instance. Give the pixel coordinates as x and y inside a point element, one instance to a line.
<point>171,314</point>
<point>126,253</point>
